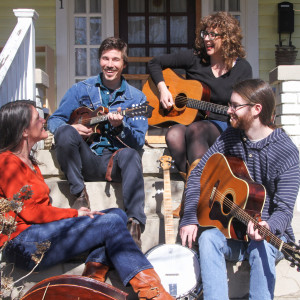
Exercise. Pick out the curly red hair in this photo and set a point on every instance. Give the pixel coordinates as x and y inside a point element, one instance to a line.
<point>231,35</point>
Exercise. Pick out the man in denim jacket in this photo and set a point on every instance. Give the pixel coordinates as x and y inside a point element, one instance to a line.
<point>82,161</point>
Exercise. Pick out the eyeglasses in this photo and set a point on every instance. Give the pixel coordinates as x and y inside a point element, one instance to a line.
<point>236,107</point>
<point>211,35</point>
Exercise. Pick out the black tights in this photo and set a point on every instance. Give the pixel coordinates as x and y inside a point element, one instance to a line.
<point>188,143</point>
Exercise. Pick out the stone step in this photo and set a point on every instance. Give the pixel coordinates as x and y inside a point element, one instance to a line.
<point>150,161</point>
<point>104,195</point>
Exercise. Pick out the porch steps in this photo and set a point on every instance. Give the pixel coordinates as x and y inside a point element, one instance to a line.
<point>104,195</point>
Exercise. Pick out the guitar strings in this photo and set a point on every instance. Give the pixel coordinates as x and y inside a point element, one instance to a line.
<point>87,120</point>
<point>182,101</point>
<point>246,217</point>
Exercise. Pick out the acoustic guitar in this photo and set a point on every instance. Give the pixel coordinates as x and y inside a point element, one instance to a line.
<point>177,266</point>
<point>230,199</point>
<point>189,96</point>
<point>94,118</point>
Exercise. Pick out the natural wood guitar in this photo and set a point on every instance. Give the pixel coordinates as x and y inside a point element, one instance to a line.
<point>189,96</point>
<point>229,199</point>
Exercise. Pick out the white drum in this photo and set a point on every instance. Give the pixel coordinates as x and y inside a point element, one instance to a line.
<point>178,268</point>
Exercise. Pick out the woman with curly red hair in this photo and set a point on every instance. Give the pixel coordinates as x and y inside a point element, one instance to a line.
<point>217,60</point>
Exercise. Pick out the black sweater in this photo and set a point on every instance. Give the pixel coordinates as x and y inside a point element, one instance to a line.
<point>220,88</point>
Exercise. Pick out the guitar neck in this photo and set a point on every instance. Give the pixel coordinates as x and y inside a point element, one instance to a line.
<point>103,118</point>
<point>267,235</point>
<point>207,106</point>
<point>168,209</point>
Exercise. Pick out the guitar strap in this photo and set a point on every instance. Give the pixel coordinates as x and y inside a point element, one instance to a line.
<point>110,165</point>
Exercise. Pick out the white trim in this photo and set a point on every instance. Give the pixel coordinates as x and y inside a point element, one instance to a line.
<point>250,29</point>
<point>64,35</point>
<point>62,49</point>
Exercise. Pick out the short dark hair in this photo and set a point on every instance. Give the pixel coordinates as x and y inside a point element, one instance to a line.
<point>114,43</point>
<point>257,91</point>
<point>15,117</point>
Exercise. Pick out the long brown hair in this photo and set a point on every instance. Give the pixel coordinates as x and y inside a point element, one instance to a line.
<point>15,117</point>
<point>257,91</point>
<point>231,35</point>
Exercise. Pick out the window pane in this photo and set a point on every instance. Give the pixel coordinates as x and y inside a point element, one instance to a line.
<point>238,17</point>
<point>137,67</point>
<point>95,31</point>
<point>157,6</point>
<point>178,28</point>
<point>177,49</point>
<point>136,6</point>
<point>80,62</point>
<point>136,30</point>
<point>157,30</point>
<point>95,6</point>
<point>95,67</point>
<point>80,6</point>
<point>157,51</point>
<point>234,5</point>
<point>178,6</point>
<point>219,5</point>
<point>80,31</point>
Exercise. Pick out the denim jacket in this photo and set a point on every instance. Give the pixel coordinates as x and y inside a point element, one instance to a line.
<point>87,93</point>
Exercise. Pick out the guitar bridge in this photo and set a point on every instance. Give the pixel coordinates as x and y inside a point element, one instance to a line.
<point>213,194</point>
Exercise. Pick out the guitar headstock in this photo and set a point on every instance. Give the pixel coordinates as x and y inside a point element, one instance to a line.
<point>291,252</point>
<point>140,110</point>
<point>165,162</point>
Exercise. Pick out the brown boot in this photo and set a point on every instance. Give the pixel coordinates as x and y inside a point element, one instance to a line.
<point>134,229</point>
<point>95,270</point>
<point>178,212</point>
<point>82,200</point>
<point>147,285</point>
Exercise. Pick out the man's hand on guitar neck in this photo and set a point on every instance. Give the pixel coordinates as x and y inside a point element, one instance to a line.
<point>188,234</point>
<point>166,98</point>
<point>115,119</point>
<point>254,233</point>
<point>83,130</point>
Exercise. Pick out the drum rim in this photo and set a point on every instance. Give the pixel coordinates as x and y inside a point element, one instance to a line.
<point>186,248</point>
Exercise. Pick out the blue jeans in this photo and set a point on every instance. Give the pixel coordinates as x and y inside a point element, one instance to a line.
<point>105,237</point>
<point>214,248</point>
<point>79,163</point>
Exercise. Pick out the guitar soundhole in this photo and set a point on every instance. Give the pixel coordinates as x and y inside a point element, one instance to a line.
<point>227,204</point>
<point>180,100</point>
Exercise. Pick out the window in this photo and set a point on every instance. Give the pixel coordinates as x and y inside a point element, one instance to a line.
<point>87,20</point>
<point>154,27</point>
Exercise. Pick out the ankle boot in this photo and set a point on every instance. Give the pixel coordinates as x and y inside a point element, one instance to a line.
<point>178,212</point>
<point>82,200</point>
<point>147,285</point>
<point>95,270</point>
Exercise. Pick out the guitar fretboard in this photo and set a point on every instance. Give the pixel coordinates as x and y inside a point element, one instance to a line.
<point>203,105</point>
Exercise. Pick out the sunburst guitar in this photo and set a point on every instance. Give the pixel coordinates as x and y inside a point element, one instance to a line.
<point>177,266</point>
<point>230,199</point>
<point>189,97</point>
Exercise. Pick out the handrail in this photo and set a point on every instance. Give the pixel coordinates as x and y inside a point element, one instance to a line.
<point>17,60</point>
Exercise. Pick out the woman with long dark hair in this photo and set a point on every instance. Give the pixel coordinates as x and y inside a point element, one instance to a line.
<point>70,232</point>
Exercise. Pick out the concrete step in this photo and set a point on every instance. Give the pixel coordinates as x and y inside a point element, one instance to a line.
<point>104,195</point>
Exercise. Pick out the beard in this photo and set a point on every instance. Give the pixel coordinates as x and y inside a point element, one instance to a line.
<point>241,122</point>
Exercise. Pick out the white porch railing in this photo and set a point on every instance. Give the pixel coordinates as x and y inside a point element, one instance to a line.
<point>17,60</point>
